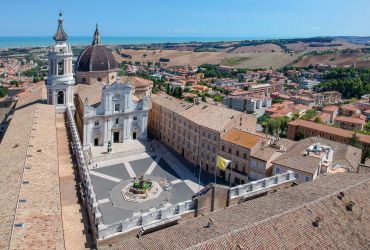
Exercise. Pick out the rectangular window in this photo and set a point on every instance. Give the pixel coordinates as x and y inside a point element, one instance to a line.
<point>135,118</point>
<point>237,153</point>
<point>96,123</point>
<point>245,156</point>
<point>116,107</point>
<point>230,151</point>
<point>277,170</point>
<point>223,148</point>
<point>306,178</point>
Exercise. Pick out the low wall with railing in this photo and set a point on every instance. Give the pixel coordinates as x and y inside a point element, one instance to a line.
<point>152,216</point>
<point>88,193</point>
<point>262,184</point>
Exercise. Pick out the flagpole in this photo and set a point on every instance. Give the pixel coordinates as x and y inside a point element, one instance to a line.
<point>215,173</point>
<point>231,168</point>
<point>200,171</point>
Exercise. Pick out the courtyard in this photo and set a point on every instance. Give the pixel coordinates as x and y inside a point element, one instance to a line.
<point>112,173</point>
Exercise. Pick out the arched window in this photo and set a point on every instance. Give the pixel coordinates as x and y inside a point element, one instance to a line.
<point>99,79</point>
<point>61,67</point>
<point>60,97</point>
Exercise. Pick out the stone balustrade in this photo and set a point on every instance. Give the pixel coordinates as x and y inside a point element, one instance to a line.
<point>90,199</point>
<point>265,183</point>
<point>153,216</point>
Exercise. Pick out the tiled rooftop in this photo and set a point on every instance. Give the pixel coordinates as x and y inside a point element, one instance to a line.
<point>91,92</point>
<point>281,220</point>
<point>349,120</point>
<point>330,129</point>
<point>206,115</point>
<point>136,81</point>
<point>294,159</point>
<point>241,138</point>
<point>29,172</point>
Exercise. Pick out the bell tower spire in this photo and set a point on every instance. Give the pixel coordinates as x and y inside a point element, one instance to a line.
<point>96,36</point>
<point>60,35</point>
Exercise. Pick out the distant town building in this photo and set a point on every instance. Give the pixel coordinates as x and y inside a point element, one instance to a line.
<point>308,83</point>
<point>325,98</point>
<point>249,104</point>
<point>349,110</point>
<point>332,111</point>
<point>349,123</point>
<point>260,89</point>
<point>299,128</point>
<point>314,156</point>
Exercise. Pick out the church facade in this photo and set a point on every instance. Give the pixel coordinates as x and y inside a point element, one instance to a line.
<point>106,110</point>
<point>117,118</point>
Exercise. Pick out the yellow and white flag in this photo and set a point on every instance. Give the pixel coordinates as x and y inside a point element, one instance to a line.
<point>222,162</point>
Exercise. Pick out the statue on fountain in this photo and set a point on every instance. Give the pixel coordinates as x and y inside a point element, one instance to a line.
<point>141,186</point>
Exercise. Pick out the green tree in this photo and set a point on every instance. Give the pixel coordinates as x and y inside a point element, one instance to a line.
<point>309,114</point>
<point>168,89</point>
<point>355,141</point>
<point>217,98</point>
<point>273,127</point>
<point>3,91</point>
<point>299,135</point>
<point>318,119</point>
<point>367,126</point>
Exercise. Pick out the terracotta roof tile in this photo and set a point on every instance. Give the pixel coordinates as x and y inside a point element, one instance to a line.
<point>281,220</point>
<point>241,138</point>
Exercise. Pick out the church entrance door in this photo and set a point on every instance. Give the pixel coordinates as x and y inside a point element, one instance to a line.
<point>96,142</point>
<point>116,137</point>
<point>134,136</point>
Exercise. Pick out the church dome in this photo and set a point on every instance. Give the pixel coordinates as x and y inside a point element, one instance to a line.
<point>96,57</point>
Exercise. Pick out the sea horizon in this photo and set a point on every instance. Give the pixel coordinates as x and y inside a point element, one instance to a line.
<point>44,41</point>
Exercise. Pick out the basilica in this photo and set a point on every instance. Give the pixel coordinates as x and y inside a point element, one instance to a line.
<point>106,109</point>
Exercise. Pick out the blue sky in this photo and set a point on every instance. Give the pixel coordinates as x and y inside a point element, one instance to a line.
<point>200,18</point>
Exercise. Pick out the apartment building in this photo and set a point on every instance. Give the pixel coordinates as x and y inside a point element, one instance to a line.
<point>251,155</point>
<point>304,100</point>
<point>309,129</point>
<point>249,104</point>
<point>194,130</point>
<point>349,110</point>
<point>349,123</point>
<point>332,111</point>
<point>325,98</point>
<point>261,89</point>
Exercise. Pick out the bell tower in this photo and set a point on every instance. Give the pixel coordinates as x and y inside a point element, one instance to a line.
<point>60,75</point>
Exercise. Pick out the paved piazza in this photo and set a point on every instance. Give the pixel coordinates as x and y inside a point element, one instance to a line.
<point>111,173</point>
